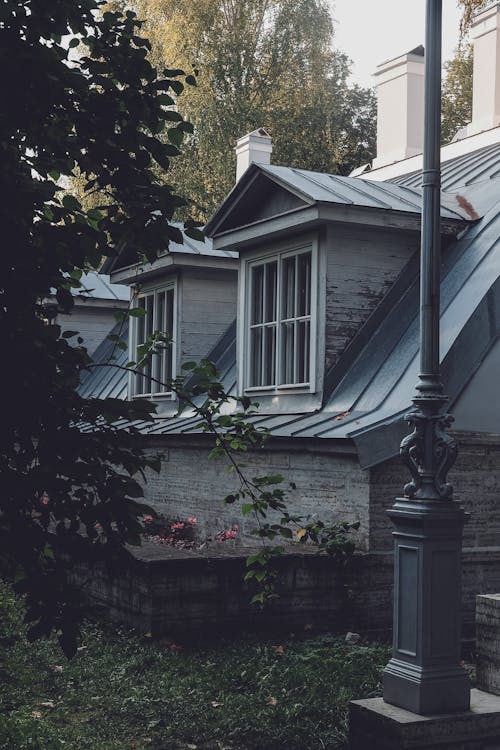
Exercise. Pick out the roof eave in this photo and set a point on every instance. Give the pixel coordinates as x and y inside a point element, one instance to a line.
<point>170,263</point>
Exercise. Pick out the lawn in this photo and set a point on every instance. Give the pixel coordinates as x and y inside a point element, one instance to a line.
<point>124,692</point>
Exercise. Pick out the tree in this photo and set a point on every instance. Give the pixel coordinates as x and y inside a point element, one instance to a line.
<point>64,465</point>
<point>260,63</point>
<point>456,105</point>
<point>70,473</point>
<point>469,7</point>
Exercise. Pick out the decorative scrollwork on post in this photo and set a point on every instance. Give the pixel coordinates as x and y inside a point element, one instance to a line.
<point>411,451</point>
<point>445,454</point>
<point>428,452</point>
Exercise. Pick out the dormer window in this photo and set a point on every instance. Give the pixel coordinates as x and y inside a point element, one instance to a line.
<point>279,319</point>
<point>159,315</point>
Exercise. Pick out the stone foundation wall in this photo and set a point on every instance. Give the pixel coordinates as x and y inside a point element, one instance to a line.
<point>205,590</point>
<point>163,591</point>
<point>328,486</point>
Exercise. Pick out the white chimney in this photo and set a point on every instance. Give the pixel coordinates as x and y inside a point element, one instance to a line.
<point>485,33</point>
<point>400,108</point>
<point>253,147</point>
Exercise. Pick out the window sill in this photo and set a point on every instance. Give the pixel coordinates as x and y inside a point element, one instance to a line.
<point>273,390</point>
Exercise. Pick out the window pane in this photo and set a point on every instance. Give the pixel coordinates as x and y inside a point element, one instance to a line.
<point>288,294</point>
<point>269,375</point>
<point>169,329</point>
<point>158,359</point>
<point>256,356</point>
<point>287,352</point>
<point>271,289</point>
<point>257,300</point>
<point>159,316</point>
<point>148,324</point>
<point>303,348</point>
<point>304,284</point>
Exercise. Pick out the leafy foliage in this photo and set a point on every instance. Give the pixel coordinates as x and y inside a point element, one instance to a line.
<point>123,692</point>
<point>456,105</point>
<point>259,63</point>
<point>99,114</point>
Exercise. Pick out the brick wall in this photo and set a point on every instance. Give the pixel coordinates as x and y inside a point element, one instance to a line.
<point>476,481</point>
<point>330,487</point>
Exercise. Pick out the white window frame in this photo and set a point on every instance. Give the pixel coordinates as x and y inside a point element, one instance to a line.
<point>279,254</point>
<point>135,390</point>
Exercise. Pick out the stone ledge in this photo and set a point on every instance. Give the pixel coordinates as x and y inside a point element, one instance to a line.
<point>376,725</point>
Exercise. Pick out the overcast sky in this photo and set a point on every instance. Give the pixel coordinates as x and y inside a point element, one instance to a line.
<point>370,32</point>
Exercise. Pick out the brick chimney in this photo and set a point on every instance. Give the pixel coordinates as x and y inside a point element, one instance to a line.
<point>253,147</point>
<point>400,108</point>
<point>485,33</point>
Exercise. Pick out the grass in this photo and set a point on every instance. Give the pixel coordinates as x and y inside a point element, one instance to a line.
<point>124,692</point>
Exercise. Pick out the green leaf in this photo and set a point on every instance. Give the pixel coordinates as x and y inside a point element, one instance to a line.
<point>175,136</point>
<point>247,508</point>
<point>137,312</point>
<point>71,203</point>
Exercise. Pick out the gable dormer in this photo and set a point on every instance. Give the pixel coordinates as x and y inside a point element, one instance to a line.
<point>318,253</point>
<point>189,292</point>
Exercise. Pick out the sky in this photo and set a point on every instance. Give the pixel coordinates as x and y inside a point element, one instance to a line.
<point>370,31</point>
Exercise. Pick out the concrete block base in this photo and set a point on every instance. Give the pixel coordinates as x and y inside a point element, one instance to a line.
<point>376,725</point>
<point>488,642</point>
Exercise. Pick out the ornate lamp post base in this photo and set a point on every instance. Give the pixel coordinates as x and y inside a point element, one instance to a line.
<point>424,676</point>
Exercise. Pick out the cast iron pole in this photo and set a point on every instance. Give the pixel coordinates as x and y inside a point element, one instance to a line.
<point>424,675</point>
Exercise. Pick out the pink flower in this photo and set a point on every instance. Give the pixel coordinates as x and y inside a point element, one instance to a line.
<point>148,519</point>
<point>177,526</point>
<point>235,527</point>
<point>192,521</point>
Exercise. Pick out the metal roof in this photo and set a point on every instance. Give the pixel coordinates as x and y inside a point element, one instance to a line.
<point>468,169</point>
<point>334,190</point>
<point>103,380</point>
<point>126,255</point>
<point>98,286</point>
<point>377,387</point>
<point>355,191</point>
<point>371,386</point>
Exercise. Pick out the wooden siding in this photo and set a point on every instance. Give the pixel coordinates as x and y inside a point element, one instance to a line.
<point>361,266</point>
<point>93,324</point>
<point>207,308</point>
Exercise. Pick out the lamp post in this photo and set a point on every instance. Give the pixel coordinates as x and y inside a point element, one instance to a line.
<point>424,675</point>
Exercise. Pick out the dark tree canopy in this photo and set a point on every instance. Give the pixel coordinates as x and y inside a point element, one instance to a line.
<point>102,114</point>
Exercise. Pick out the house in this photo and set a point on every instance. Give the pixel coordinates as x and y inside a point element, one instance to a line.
<point>306,296</point>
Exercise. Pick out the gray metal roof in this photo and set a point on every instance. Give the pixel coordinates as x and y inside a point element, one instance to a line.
<point>126,255</point>
<point>98,286</point>
<point>477,166</point>
<point>371,387</point>
<point>321,188</point>
<point>368,403</point>
<point>104,380</point>
<point>354,191</point>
